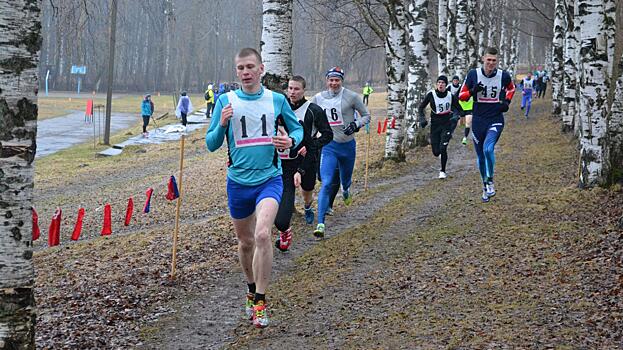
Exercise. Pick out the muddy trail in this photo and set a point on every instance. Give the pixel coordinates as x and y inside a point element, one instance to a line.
<point>414,262</point>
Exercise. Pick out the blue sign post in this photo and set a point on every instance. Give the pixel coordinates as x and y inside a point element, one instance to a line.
<point>79,70</point>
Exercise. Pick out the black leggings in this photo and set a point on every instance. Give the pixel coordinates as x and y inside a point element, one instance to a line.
<point>184,119</point>
<point>440,135</point>
<point>145,122</point>
<point>286,207</point>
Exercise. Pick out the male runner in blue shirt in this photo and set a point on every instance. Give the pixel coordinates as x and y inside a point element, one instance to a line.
<point>247,119</point>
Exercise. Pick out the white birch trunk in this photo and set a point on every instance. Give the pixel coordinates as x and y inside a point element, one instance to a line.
<point>442,67</point>
<point>19,53</point>
<point>514,49</point>
<point>570,63</point>
<point>593,94</point>
<point>418,80</point>
<point>577,121</point>
<point>462,52</point>
<point>609,29</point>
<point>557,72</point>
<point>451,36</point>
<point>472,36</point>
<point>276,44</point>
<point>616,125</point>
<point>484,31</point>
<point>395,53</point>
<point>503,39</point>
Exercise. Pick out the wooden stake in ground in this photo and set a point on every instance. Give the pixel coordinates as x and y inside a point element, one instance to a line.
<point>177,210</point>
<point>365,179</point>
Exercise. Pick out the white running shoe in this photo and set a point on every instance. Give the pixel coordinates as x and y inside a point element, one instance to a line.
<point>490,188</point>
<point>442,175</point>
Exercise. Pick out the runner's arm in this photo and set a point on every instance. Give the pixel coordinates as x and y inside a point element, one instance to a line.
<point>363,111</point>
<point>509,86</point>
<point>427,100</point>
<point>216,133</point>
<point>319,119</point>
<point>457,106</point>
<point>295,129</point>
<point>468,85</point>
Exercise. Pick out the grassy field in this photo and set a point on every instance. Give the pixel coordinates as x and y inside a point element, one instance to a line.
<point>52,106</point>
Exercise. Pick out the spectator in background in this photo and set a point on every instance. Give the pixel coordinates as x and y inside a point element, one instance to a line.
<point>147,109</point>
<point>184,107</point>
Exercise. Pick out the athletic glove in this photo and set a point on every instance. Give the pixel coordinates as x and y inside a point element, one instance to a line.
<point>504,106</point>
<point>422,121</point>
<point>351,129</point>
<point>478,87</point>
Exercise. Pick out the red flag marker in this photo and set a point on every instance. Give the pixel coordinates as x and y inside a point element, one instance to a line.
<point>385,125</point>
<point>54,232</point>
<point>378,127</point>
<point>107,229</point>
<point>36,232</point>
<point>172,192</point>
<point>128,212</point>
<point>78,227</point>
<point>393,122</point>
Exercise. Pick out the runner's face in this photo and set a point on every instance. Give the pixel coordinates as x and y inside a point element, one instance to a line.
<point>455,82</point>
<point>249,70</point>
<point>490,61</point>
<point>295,91</point>
<point>334,84</point>
<point>441,86</point>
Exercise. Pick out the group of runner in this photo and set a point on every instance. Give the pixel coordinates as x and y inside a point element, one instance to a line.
<point>482,100</point>
<point>277,143</point>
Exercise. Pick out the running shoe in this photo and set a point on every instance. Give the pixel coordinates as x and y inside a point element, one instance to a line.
<point>309,215</point>
<point>348,199</point>
<point>248,306</point>
<point>285,239</point>
<point>490,188</point>
<point>442,175</point>
<point>329,212</point>
<point>485,197</point>
<point>464,141</point>
<point>260,315</point>
<point>319,233</point>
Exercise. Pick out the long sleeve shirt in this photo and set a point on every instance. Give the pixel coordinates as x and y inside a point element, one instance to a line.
<point>350,102</point>
<point>441,105</point>
<point>487,103</point>
<point>253,158</point>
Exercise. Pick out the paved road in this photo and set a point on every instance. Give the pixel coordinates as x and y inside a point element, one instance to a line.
<point>59,133</point>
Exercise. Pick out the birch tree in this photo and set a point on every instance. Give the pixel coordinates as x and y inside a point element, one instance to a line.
<point>593,94</point>
<point>557,71</point>
<point>570,70</point>
<point>471,36</point>
<point>276,44</point>
<point>451,36</point>
<point>19,56</point>
<point>616,124</point>
<point>395,49</point>
<point>461,29</point>
<point>442,64</point>
<point>418,80</point>
<point>513,59</point>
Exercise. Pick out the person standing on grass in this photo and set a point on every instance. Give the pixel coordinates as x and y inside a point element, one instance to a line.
<point>445,112</point>
<point>493,90</point>
<point>247,119</point>
<point>367,91</point>
<point>209,97</point>
<point>526,85</point>
<point>184,107</point>
<point>339,105</point>
<point>299,165</point>
<point>147,109</point>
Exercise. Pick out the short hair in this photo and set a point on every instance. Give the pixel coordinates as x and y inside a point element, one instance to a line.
<point>249,51</point>
<point>299,79</point>
<point>490,51</point>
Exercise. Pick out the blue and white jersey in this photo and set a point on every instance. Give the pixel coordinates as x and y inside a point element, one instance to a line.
<point>253,158</point>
